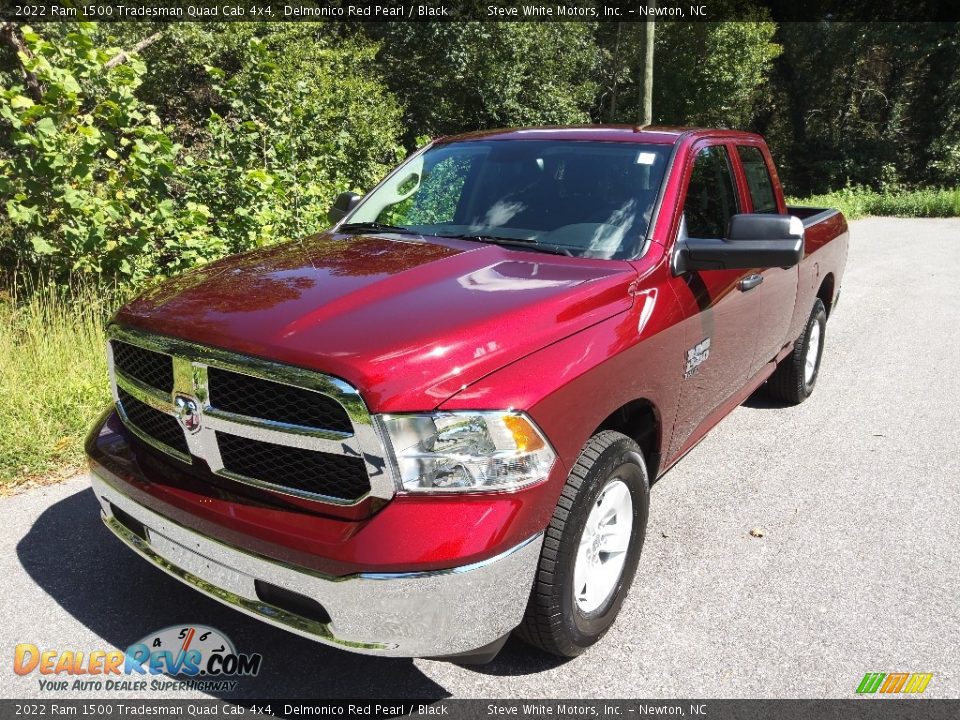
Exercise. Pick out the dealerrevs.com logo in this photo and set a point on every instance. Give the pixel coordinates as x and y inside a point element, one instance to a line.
<point>190,657</point>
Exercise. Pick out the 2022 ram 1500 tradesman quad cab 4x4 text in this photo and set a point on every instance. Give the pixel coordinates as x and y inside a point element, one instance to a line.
<point>437,422</point>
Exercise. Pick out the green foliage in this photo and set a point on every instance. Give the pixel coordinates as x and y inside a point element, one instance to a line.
<point>92,182</point>
<point>177,82</point>
<point>291,136</point>
<point>453,77</point>
<point>712,74</point>
<point>856,100</point>
<point>858,202</point>
<point>88,177</point>
<point>706,74</point>
<point>945,148</point>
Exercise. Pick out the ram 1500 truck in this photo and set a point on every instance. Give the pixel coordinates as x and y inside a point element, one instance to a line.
<point>437,423</point>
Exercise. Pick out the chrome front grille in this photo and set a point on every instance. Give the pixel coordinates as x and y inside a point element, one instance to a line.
<point>257,422</point>
<point>151,368</point>
<point>306,471</point>
<point>159,426</point>
<point>246,395</point>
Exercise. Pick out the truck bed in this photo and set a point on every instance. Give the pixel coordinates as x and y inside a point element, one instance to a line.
<point>810,215</point>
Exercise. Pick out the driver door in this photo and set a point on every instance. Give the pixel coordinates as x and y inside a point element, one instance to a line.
<point>721,314</point>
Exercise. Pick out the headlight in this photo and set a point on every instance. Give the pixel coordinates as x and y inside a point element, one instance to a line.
<point>464,451</point>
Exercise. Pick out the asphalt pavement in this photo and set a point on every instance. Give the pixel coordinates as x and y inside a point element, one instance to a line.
<point>856,493</point>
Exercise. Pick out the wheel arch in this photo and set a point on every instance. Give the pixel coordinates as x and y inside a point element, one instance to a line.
<point>640,420</point>
<point>825,293</point>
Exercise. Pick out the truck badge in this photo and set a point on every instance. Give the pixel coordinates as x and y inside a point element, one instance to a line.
<point>697,355</point>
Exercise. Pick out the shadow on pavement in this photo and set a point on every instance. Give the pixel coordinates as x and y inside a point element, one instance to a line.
<point>761,400</point>
<point>518,658</point>
<point>77,561</point>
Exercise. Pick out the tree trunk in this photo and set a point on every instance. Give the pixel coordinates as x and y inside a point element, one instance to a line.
<point>10,36</point>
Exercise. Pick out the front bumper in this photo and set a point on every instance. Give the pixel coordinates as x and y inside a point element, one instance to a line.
<point>413,614</point>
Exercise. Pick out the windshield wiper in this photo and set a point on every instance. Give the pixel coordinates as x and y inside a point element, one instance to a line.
<point>523,243</point>
<point>375,226</point>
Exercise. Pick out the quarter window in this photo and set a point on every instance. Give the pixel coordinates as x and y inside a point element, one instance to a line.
<point>758,179</point>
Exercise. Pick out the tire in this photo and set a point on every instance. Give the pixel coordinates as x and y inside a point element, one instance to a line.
<point>792,382</point>
<point>556,621</point>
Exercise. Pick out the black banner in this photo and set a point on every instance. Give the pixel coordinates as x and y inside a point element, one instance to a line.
<point>853,709</point>
<point>39,11</point>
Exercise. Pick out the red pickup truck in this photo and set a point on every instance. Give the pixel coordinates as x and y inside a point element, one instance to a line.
<point>437,423</point>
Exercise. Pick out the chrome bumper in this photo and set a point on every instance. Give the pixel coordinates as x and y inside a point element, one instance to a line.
<point>425,614</point>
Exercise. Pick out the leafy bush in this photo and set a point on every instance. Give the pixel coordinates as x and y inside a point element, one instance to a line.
<point>857,202</point>
<point>89,180</point>
<point>289,140</point>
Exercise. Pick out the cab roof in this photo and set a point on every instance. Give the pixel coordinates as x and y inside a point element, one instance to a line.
<point>655,134</point>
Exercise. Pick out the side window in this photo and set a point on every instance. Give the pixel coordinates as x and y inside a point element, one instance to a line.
<point>758,179</point>
<point>711,200</point>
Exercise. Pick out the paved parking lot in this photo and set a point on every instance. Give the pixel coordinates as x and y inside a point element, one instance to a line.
<point>856,491</point>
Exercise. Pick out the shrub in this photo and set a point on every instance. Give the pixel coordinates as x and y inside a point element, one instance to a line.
<point>857,202</point>
<point>89,180</point>
<point>289,140</point>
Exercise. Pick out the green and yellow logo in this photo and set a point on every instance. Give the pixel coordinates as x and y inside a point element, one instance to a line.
<point>914,683</point>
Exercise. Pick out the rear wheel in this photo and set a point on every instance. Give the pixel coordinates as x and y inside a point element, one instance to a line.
<point>796,375</point>
<point>591,548</point>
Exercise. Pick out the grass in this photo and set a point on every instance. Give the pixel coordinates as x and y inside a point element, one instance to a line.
<point>858,202</point>
<point>53,379</point>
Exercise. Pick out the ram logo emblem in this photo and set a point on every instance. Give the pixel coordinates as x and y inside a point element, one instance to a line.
<point>188,413</point>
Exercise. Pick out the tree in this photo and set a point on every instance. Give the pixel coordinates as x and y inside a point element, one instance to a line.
<point>705,73</point>
<point>453,77</point>
<point>713,74</point>
<point>889,118</point>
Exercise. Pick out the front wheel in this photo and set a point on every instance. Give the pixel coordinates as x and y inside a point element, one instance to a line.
<point>591,548</point>
<point>796,375</point>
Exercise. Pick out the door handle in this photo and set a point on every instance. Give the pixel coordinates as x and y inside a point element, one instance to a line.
<point>750,282</point>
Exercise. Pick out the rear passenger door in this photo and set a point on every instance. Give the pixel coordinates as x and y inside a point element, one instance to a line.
<point>721,316</point>
<point>776,294</point>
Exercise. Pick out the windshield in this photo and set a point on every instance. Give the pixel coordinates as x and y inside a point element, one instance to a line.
<point>588,199</point>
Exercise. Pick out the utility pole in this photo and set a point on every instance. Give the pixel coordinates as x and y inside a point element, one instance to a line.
<point>645,112</point>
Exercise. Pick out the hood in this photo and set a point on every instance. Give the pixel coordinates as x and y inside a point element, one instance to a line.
<point>407,321</point>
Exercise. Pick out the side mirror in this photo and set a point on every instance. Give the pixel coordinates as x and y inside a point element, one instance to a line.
<point>756,241</point>
<point>345,202</point>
